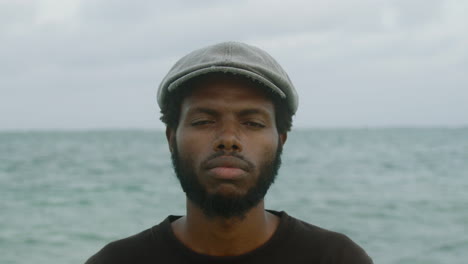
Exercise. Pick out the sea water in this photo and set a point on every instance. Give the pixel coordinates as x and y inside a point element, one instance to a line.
<point>402,194</point>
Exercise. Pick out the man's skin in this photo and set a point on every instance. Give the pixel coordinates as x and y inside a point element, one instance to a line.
<point>230,115</point>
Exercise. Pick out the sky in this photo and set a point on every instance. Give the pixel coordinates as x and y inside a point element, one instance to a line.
<point>97,64</point>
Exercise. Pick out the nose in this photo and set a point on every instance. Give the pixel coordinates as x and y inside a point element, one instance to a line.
<point>227,139</point>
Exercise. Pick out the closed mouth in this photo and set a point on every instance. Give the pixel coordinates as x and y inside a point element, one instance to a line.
<point>227,162</point>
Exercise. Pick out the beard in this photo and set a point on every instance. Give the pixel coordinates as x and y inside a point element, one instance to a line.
<point>219,205</point>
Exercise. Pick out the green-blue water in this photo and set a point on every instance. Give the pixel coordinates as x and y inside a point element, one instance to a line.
<point>402,194</point>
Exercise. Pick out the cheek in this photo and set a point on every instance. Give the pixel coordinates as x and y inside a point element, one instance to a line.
<point>183,145</point>
<point>264,148</point>
<point>190,145</point>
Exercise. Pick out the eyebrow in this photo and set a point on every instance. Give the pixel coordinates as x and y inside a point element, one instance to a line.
<point>252,111</point>
<point>204,110</point>
<point>244,112</point>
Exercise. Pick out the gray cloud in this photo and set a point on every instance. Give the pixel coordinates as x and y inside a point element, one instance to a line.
<point>86,64</point>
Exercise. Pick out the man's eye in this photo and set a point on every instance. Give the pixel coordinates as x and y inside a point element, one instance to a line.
<point>254,124</point>
<point>201,122</point>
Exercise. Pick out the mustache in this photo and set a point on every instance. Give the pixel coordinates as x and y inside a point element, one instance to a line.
<point>229,159</point>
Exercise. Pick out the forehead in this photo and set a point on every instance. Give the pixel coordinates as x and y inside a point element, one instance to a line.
<point>227,90</point>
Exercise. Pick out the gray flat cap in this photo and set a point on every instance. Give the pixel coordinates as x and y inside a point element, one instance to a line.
<point>235,58</point>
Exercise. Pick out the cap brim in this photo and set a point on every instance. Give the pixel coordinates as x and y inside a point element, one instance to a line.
<point>225,69</point>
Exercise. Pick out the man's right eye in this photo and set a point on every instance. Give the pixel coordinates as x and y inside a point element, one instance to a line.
<point>201,122</point>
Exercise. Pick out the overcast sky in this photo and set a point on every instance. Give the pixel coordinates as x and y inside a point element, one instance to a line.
<point>85,64</point>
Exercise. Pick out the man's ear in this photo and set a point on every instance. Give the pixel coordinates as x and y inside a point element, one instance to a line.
<point>170,136</point>
<point>283,138</point>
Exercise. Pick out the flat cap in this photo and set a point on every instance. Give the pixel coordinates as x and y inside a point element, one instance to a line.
<point>230,57</point>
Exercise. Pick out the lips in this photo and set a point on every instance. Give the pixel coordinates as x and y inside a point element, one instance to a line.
<point>227,167</point>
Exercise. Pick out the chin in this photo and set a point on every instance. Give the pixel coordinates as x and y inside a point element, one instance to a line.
<point>228,191</point>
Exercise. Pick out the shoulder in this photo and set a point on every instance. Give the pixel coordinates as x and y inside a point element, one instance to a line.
<point>123,250</point>
<point>333,246</point>
<point>152,245</point>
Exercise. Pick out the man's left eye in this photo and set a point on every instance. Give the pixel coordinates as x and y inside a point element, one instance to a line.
<point>254,124</point>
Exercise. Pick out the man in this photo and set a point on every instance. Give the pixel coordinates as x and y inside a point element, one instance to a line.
<point>227,110</point>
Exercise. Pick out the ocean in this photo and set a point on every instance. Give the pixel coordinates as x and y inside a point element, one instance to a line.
<point>402,194</point>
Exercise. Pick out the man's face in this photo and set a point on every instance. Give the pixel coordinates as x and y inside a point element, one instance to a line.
<point>226,149</point>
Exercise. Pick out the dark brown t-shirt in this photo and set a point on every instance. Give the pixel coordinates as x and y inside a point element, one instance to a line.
<point>294,241</point>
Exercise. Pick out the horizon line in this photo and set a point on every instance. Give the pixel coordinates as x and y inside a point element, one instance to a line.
<point>156,129</point>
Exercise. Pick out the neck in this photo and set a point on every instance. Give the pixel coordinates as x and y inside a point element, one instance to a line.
<point>225,237</point>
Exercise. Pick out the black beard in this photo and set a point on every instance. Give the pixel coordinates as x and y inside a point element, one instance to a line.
<point>217,205</point>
